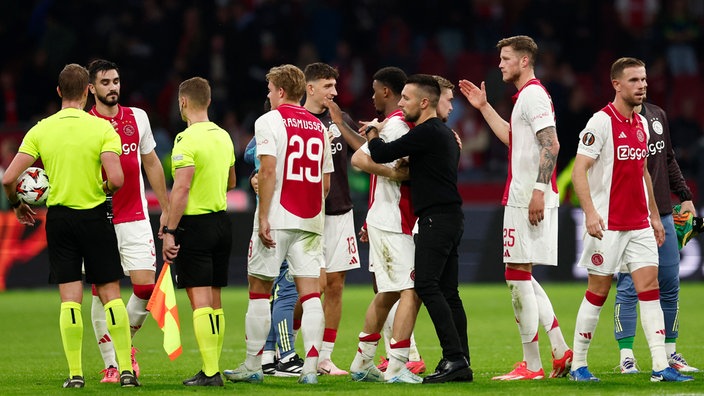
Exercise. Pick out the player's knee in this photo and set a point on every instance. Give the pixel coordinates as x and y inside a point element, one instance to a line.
<point>669,286</point>
<point>412,298</point>
<point>669,295</point>
<point>425,288</point>
<point>334,289</point>
<point>452,297</point>
<point>627,296</point>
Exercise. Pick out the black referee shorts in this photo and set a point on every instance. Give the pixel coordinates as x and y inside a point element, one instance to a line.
<point>78,237</point>
<point>204,256</point>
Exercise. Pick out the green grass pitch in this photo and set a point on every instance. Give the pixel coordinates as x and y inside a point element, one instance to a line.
<point>32,360</point>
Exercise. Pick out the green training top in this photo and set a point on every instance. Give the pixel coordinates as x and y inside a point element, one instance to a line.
<point>209,149</point>
<point>70,143</point>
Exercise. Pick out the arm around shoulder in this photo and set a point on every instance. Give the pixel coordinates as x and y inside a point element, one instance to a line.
<point>364,161</point>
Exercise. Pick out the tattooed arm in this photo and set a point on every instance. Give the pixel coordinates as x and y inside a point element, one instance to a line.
<point>549,147</point>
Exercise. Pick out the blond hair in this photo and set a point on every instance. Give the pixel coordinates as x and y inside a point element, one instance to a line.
<point>523,44</point>
<point>289,78</point>
<point>444,83</point>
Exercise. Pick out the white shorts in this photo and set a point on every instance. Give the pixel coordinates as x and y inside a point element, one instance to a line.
<point>135,241</point>
<point>525,243</point>
<point>619,251</point>
<point>302,249</point>
<point>340,245</point>
<point>394,256</point>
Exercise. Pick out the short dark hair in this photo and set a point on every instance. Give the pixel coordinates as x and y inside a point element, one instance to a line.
<point>621,64</point>
<point>524,44</point>
<point>197,89</point>
<point>320,70</point>
<point>428,84</point>
<point>100,65</point>
<point>73,81</point>
<point>391,77</point>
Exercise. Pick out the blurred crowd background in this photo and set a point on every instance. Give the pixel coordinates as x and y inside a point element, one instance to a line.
<point>233,43</point>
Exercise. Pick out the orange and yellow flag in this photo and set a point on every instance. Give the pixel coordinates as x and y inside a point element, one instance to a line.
<point>162,306</point>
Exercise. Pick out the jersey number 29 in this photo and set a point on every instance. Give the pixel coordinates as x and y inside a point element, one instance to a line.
<point>304,159</point>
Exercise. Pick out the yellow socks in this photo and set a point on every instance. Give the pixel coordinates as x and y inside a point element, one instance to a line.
<point>220,323</point>
<point>119,328</point>
<point>208,339</point>
<point>71,327</point>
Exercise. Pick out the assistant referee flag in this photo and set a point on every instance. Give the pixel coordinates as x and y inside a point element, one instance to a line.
<point>162,306</point>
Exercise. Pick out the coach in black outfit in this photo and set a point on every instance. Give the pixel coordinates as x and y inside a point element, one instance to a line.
<point>434,157</point>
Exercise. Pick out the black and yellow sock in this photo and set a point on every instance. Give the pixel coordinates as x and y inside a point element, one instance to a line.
<point>119,328</point>
<point>207,336</point>
<point>220,325</point>
<point>71,327</point>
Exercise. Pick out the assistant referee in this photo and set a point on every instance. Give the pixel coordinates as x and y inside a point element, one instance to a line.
<point>198,233</point>
<point>73,146</point>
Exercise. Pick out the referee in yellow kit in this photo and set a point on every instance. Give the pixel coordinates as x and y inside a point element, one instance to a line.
<point>73,146</point>
<point>198,233</point>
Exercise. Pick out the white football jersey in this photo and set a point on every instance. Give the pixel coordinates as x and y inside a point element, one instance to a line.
<point>390,206</point>
<point>132,124</point>
<point>532,112</point>
<point>616,183</point>
<point>300,143</point>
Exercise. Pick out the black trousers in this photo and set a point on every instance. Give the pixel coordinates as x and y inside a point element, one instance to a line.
<point>436,280</point>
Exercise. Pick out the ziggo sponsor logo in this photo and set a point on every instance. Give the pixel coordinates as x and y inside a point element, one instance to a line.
<point>630,153</point>
<point>656,147</point>
<point>128,148</point>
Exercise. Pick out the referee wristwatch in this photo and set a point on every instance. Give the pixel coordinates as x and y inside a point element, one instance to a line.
<point>167,230</point>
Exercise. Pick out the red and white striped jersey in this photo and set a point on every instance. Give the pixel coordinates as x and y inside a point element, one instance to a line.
<point>129,203</point>
<point>300,144</point>
<point>390,206</point>
<point>620,146</point>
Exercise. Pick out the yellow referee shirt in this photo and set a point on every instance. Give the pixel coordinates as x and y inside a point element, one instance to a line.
<point>209,149</point>
<point>70,143</point>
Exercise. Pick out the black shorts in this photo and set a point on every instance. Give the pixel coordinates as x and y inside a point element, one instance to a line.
<point>82,237</point>
<point>204,256</point>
